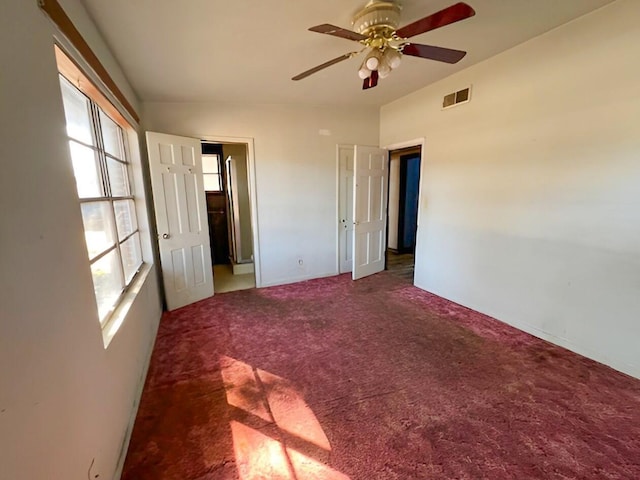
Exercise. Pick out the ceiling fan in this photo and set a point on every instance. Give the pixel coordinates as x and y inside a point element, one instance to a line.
<point>376,28</point>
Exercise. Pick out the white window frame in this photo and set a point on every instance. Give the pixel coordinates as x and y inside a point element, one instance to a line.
<point>102,158</point>
<point>209,174</point>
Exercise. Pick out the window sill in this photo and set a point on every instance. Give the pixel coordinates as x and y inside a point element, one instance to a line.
<point>117,318</point>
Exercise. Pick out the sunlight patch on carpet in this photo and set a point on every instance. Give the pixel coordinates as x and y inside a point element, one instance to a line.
<point>242,388</point>
<point>268,453</point>
<point>290,412</point>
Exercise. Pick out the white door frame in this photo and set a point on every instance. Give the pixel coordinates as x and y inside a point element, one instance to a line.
<point>339,228</point>
<point>253,203</point>
<point>417,142</point>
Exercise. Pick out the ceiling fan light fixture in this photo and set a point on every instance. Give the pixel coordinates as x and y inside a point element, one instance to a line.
<point>375,27</point>
<point>364,72</point>
<point>392,57</point>
<point>373,59</point>
<point>384,69</point>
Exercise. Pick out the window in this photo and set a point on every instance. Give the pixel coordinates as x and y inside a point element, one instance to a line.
<point>101,168</point>
<point>211,172</point>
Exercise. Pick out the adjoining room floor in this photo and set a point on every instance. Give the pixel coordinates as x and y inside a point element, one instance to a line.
<point>401,265</point>
<point>225,281</point>
<point>373,379</point>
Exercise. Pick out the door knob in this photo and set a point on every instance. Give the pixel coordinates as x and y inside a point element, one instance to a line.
<point>165,235</point>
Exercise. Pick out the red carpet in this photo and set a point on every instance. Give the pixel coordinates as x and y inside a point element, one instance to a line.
<point>331,379</point>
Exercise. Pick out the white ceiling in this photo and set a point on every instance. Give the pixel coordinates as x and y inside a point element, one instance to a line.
<point>247,50</point>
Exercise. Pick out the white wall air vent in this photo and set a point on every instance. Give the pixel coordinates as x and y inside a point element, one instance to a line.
<point>456,98</point>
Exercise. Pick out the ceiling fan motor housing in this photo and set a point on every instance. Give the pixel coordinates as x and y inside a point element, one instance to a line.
<point>377,17</point>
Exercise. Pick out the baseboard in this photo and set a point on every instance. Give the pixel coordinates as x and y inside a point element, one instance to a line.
<point>136,405</point>
<point>286,281</point>
<point>242,268</point>
<point>627,369</point>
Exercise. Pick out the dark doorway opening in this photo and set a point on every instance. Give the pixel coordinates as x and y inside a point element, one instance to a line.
<point>404,186</point>
<point>214,186</point>
<point>408,204</point>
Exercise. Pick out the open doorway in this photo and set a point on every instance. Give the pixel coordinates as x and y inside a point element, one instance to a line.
<point>404,187</point>
<point>226,184</point>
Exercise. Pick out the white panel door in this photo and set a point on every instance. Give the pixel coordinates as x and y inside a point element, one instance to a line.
<point>371,175</point>
<point>345,208</point>
<point>181,218</point>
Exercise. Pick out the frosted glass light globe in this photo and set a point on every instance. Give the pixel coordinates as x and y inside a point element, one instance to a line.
<point>384,69</point>
<point>364,72</point>
<point>372,62</point>
<point>392,57</point>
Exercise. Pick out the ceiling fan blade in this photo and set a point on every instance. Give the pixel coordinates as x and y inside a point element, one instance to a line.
<point>337,32</point>
<point>371,81</point>
<point>313,70</point>
<point>431,52</point>
<point>449,15</point>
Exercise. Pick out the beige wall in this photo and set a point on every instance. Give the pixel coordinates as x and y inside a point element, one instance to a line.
<point>295,173</point>
<point>65,400</point>
<point>530,207</point>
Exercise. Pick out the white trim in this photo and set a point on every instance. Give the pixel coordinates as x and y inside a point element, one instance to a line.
<point>337,197</point>
<point>302,278</point>
<point>253,194</point>
<point>242,268</point>
<point>416,142</point>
